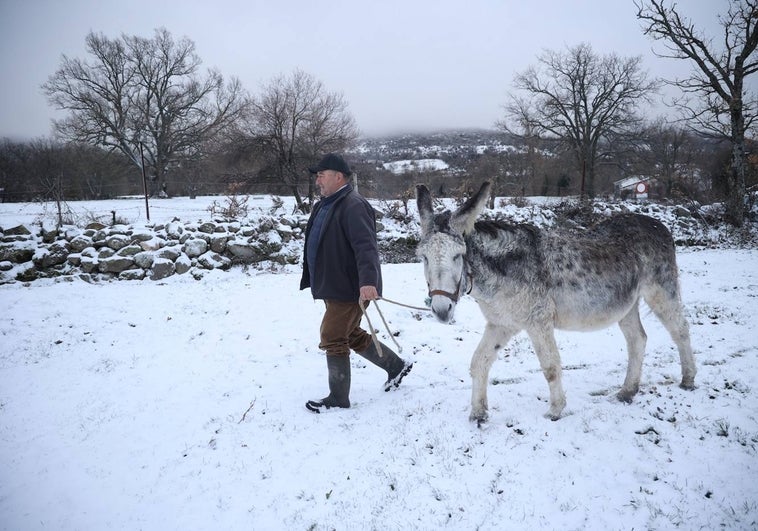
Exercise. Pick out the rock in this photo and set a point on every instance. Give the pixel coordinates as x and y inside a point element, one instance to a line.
<point>17,238</point>
<point>90,252</point>
<point>169,253</point>
<point>80,242</point>
<point>174,230</point>
<point>152,244</point>
<point>207,227</point>
<point>182,264</point>
<point>88,264</point>
<point>144,259</point>
<point>289,222</point>
<point>49,234</point>
<point>119,229</point>
<point>195,247</point>
<point>117,241</point>
<point>55,254</point>
<point>142,235</point>
<point>19,230</point>
<point>71,232</point>
<point>116,264</point>
<point>6,265</point>
<point>266,224</point>
<point>129,250</point>
<point>105,252</point>
<point>241,249</point>
<point>285,232</point>
<point>269,243</point>
<point>99,236</point>
<point>16,254</point>
<point>211,260</point>
<point>27,273</point>
<point>218,242</point>
<point>95,226</point>
<point>132,274</point>
<point>162,268</point>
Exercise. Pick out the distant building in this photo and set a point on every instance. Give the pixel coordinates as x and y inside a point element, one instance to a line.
<point>634,187</point>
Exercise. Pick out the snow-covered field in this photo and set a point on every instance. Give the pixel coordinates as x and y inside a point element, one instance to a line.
<point>179,405</point>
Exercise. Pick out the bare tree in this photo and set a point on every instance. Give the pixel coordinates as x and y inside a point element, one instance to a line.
<point>715,98</point>
<point>671,153</point>
<point>299,120</point>
<point>582,99</point>
<point>137,90</point>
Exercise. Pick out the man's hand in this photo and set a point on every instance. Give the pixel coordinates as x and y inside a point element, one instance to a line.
<point>369,293</point>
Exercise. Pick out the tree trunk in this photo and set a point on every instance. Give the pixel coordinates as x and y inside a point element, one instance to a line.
<point>302,206</point>
<point>735,199</point>
<point>735,189</point>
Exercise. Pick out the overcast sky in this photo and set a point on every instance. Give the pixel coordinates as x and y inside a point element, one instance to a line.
<point>401,64</point>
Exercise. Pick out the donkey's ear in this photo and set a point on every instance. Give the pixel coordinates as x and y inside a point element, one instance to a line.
<point>425,210</point>
<point>464,218</point>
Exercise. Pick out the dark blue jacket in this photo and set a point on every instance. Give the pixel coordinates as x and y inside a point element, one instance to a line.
<point>347,255</point>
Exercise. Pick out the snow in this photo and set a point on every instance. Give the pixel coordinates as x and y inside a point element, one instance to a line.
<point>400,167</point>
<point>179,404</point>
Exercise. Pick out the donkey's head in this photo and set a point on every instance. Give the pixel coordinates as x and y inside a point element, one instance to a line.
<point>442,248</point>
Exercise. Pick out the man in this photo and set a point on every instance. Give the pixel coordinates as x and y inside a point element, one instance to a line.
<point>341,266</point>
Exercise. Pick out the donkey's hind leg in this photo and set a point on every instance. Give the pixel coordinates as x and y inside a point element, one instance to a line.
<point>493,339</point>
<point>668,308</point>
<point>636,339</point>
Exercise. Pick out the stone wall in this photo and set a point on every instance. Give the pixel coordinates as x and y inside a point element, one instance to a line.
<point>98,252</point>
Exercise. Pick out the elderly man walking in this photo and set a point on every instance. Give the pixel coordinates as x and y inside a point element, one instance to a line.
<point>341,267</point>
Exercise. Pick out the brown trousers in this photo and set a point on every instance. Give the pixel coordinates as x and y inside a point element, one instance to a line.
<point>341,329</point>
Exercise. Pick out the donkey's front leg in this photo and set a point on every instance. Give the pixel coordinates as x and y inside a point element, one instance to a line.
<point>493,339</point>
<point>543,340</point>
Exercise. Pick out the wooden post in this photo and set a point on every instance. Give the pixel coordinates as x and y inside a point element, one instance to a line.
<point>144,181</point>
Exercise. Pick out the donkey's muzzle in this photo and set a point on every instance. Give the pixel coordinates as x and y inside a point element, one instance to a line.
<point>442,306</point>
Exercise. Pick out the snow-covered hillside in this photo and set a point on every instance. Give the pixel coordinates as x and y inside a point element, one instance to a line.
<point>178,404</point>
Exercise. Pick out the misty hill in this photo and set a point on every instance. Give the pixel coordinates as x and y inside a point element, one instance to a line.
<point>464,144</point>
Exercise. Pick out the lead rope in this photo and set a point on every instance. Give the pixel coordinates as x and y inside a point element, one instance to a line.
<point>405,305</point>
<point>377,343</point>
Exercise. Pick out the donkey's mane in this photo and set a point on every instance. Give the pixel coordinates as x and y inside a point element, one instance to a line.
<point>489,227</point>
<point>495,227</point>
<point>442,221</point>
<point>509,250</point>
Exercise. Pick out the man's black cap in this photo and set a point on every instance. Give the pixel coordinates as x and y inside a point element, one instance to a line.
<point>332,161</point>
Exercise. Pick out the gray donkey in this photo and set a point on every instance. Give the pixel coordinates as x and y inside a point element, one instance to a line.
<point>524,278</point>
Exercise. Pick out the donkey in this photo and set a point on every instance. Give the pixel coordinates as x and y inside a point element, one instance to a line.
<point>524,278</point>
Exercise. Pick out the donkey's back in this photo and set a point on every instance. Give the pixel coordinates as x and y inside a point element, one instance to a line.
<point>595,277</point>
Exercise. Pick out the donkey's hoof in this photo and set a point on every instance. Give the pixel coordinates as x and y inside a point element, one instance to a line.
<point>556,408</point>
<point>625,396</point>
<point>479,418</point>
<point>688,385</point>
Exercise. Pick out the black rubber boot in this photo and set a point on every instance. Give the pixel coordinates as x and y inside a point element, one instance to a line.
<point>395,366</point>
<point>339,385</point>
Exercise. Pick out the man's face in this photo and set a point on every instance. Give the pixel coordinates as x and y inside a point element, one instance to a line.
<point>329,181</point>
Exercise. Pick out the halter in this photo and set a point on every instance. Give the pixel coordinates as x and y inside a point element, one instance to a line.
<point>455,296</point>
